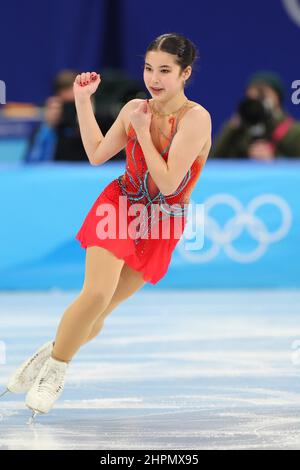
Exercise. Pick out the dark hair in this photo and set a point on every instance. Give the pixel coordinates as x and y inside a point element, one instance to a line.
<point>64,79</point>
<point>173,43</point>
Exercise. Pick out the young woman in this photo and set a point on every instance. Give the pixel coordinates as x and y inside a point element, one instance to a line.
<point>167,140</point>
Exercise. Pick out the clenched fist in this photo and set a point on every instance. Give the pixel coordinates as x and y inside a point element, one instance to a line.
<point>86,84</point>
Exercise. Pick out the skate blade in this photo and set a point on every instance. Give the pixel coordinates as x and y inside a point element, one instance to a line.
<point>5,392</point>
<point>34,414</point>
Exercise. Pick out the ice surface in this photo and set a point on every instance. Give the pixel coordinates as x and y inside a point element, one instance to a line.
<point>170,370</point>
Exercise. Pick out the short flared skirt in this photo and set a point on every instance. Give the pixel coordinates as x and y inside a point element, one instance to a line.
<point>150,256</point>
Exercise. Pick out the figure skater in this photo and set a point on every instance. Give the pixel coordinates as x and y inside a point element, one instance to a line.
<point>167,140</point>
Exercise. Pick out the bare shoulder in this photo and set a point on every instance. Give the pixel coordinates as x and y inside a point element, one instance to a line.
<point>197,114</point>
<point>195,118</point>
<point>132,104</point>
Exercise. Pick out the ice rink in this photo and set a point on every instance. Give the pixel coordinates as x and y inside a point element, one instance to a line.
<point>211,369</point>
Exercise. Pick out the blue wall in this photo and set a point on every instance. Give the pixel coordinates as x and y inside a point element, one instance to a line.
<point>251,226</point>
<point>235,38</point>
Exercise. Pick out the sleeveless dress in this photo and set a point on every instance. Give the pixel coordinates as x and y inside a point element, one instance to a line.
<point>160,221</point>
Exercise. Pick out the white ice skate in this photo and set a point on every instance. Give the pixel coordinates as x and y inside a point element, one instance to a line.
<point>25,375</point>
<point>47,387</point>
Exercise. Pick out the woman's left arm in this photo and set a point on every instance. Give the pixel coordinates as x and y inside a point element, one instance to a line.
<point>193,133</point>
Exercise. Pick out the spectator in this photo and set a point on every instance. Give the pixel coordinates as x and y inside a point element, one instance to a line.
<point>58,136</point>
<point>260,129</point>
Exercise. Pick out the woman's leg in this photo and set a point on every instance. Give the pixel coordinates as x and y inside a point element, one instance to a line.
<point>129,282</point>
<point>102,272</point>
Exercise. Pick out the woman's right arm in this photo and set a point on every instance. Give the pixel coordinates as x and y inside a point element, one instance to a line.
<point>90,132</point>
<point>98,148</point>
<point>84,86</point>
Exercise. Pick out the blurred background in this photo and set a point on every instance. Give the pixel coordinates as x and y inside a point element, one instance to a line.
<point>248,78</point>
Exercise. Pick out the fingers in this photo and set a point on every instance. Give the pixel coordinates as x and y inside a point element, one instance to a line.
<point>86,78</point>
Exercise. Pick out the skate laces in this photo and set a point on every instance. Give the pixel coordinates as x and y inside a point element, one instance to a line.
<point>26,371</point>
<point>37,357</point>
<point>52,380</point>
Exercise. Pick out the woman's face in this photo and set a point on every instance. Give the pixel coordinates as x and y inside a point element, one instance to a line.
<point>161,73</point>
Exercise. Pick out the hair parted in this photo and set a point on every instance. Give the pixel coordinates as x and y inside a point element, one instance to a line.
<point>178,45</point>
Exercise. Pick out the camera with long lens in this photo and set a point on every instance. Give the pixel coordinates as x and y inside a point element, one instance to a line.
<point>256,116</point>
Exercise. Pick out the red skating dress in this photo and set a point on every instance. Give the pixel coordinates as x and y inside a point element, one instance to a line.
<point>149,246</point>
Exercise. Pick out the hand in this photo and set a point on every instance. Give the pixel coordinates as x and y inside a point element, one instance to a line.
<point>140,118</point>
<point>261,150</point>
<point>86,84</point>
<point>53,110</point>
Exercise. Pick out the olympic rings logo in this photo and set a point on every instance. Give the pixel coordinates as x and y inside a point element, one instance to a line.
<point>292,8</point>
<point>245,218</point>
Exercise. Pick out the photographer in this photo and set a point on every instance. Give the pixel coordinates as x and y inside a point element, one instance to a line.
<point>260,129</point>
<point>58,136</point>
